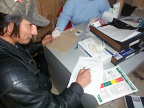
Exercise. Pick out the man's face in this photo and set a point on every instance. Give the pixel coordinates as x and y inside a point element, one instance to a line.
<point>27,30</point>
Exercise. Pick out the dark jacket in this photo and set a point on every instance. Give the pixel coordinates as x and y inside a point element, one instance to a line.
<point>22,85</point>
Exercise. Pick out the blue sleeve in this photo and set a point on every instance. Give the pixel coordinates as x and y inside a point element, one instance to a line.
<point>65,15</point>
<point>73,8</point>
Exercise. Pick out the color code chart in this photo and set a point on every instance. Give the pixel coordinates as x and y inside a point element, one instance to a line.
<point>115,84</point>
<point>114,81</point>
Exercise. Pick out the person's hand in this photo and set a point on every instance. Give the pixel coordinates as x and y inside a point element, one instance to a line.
<point>92,20</point>
<point>56,33</point>
<point>108,15</point>
<point>84,77</point>
<point>47,39</point>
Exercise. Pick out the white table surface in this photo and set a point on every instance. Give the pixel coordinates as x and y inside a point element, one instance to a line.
<point>70,59</point>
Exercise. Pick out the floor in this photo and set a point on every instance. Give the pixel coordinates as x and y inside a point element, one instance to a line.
<point>137,77</point>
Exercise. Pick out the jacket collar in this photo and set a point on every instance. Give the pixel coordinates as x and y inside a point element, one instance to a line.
<point>8,47</point>
<point>18,53</point>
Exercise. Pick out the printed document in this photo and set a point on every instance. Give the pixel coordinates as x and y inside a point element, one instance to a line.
<point>115,84</point>
<point>96,72</point>
<point>118,34</point>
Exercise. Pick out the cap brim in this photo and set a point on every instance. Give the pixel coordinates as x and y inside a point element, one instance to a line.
<point>37,20</point>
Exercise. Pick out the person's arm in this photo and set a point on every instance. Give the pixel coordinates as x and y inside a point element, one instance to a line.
<point>35,47</point>
<point>103,7</point>
<point>26,92</point>
<point>64,18</point>
<point>65,15</point>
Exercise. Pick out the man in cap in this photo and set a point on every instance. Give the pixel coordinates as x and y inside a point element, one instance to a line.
<point>21,83</point>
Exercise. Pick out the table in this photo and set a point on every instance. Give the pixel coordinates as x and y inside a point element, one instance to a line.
<point>61,67</point>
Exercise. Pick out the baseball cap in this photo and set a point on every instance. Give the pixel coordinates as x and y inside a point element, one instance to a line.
<point>27,9</point>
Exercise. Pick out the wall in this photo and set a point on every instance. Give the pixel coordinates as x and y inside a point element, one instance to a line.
<point>137,3</point>
<point>48,9</point>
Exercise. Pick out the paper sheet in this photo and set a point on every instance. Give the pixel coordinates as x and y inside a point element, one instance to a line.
<point>96,72</point>
<point>118,34</point>
<point>115,84</point>
<point>64,41</point>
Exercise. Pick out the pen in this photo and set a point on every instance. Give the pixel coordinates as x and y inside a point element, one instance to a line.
<point>84,68</point>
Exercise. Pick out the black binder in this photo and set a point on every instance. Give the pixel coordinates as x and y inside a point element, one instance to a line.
<point>119,46</point>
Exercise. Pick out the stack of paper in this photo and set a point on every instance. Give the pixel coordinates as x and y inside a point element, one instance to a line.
<point>118,34</point>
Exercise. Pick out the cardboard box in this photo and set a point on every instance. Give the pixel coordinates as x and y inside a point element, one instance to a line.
<point>90,47</point>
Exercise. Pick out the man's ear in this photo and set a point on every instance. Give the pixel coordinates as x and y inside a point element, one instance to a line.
<point>10,27</point>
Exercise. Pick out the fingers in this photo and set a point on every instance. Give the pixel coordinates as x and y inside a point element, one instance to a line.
<point>85,71</point>
<point>84,77</point>
<point>47,39</point>
<point>56,33</point>
<point>92,20</point>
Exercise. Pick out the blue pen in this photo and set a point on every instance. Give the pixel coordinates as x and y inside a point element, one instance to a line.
<point>86,52</point>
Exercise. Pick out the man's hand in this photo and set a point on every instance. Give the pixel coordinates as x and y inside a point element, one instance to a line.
<point>56,33</point>
<point>47,39</point>
<point>108,15</point>
<point>84,77</point>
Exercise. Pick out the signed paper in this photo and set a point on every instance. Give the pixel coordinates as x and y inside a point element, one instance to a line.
<point>96,72</point>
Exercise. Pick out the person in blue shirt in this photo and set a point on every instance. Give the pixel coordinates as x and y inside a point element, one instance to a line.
<point>79,11</point>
